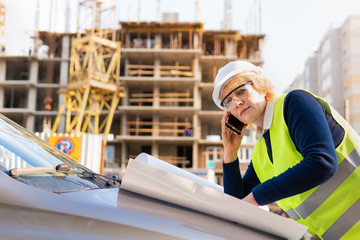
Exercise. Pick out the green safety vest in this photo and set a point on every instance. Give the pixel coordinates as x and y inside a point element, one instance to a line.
<point>332,209</point>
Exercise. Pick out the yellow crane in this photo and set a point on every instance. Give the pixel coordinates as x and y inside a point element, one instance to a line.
<point>93,91</point>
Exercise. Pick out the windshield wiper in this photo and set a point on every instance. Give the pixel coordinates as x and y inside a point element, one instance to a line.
<point>111,180</point>
<point>61,168</point>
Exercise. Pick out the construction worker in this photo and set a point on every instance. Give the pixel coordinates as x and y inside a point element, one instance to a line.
<point>306,156</point>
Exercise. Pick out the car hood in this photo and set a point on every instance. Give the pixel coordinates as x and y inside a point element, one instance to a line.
<point>124,208</point>
<point>99,205</point>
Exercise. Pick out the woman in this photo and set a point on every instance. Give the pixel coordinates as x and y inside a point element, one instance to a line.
<point>306,156</point>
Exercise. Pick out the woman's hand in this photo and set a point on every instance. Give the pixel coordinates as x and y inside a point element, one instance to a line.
<point>250,199</point>
<point>231,140</point>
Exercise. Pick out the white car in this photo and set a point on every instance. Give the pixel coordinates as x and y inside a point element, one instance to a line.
<point>47,195</point>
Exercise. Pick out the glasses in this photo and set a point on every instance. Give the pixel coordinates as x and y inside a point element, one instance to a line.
<point>239,93</point>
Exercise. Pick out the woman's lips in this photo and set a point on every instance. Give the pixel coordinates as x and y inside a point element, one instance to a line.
<point>244,110</point>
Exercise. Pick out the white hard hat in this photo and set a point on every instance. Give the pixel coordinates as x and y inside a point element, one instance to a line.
<point>227,72</point>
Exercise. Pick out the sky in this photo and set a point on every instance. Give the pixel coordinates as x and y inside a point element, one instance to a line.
<point>293,28</point>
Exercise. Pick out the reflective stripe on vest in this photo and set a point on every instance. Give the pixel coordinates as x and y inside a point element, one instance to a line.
<point>323,192</point>
<point>344,223</point>
<point>349,218</point>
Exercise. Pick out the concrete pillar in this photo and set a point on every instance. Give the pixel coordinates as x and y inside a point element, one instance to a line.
<point>124,155</point>
<point>229,47</point>
<point>2,70</point>
<point>156,96</point>
<point>31,101</point>
<point>2,79</point>
<point>2,96</point>
<point>197,97</point>
<point>125,100</point>
<point>157,44</point>
<point>30,122</point>
<point>155,126</point>
<point>65,48</point>
<point>196,41</point>
<point>196,67</point>
<point>195,154</point>
<point>34,71</point>
<point>123,126</point>
<point>196,128</point>
<point>126,69</point>
<point>155,149</point>
<point>31,104</point>
<point>157,64</point>
<point>64,77</point>
<point>65,55</point>
<point>261,44</point>
<point>127,40</point>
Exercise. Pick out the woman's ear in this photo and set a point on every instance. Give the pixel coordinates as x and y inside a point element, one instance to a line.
<point>266,97</point>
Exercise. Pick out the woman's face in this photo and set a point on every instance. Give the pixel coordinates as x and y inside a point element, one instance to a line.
<point>249,105</point>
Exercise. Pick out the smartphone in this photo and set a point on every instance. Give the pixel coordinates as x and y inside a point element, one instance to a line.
<point>234,124</point>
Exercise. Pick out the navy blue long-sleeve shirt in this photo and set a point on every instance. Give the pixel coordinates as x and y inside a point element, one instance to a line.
<point>315,134</point>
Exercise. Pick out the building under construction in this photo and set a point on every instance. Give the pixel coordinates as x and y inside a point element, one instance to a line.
<point>166,72</point>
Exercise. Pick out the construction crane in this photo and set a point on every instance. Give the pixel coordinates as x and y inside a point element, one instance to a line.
<point>93,90</point>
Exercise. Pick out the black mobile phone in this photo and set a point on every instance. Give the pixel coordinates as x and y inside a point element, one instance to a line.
<point>234,124</point>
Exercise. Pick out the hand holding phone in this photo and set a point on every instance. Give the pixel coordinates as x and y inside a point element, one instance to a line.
<point>234,124</point>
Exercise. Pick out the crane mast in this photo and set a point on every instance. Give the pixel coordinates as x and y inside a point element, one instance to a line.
<point>93,91</point>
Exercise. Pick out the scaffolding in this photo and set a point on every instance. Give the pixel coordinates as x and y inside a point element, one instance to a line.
<point>93,91</point>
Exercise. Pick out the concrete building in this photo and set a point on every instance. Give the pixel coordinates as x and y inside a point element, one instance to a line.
<point>167,70</point>
<point>29,84</point>
<point>329,72</point>
<point>350,72</point>
<point>338,70</point>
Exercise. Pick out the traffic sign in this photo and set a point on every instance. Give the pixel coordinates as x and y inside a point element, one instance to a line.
<point>70,145</point>
<point>64,144</point>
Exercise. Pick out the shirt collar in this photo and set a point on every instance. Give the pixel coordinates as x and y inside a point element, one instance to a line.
<point>268,117</point>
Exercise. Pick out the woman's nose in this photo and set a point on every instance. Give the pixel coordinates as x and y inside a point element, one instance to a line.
<point>238,101</point>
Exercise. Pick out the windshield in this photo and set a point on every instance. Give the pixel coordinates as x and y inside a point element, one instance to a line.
<point>21,149</point>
